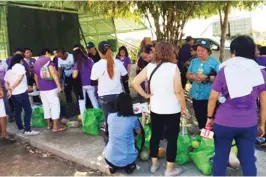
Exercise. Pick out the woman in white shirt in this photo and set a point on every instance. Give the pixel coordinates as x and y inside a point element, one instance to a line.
<point>17,86</point>
<point>166,100</point>
<point>107,74</point>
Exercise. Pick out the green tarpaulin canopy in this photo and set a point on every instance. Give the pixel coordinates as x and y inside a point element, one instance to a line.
<point>93,27</point>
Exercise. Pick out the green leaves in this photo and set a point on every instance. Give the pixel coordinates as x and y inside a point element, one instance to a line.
<point>166,17</point>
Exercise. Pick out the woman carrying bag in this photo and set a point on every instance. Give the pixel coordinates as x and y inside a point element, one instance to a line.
<point>167,101</point>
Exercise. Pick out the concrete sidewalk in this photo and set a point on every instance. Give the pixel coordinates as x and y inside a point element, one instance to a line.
<point>73,145</point>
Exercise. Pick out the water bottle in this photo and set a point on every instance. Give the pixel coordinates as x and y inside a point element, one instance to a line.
<point>183,126</point>
<point>200,70</point>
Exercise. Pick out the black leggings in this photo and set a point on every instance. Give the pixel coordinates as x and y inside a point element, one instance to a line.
<point>201,109</point>
<point>75,86</point>
<point>158,123</point>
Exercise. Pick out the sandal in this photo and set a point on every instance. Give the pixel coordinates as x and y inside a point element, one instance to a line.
<point>112,170</point>
<point>59,129</point>
<point>130,169</point>
<point>8,140</point>
<point>49,127</point>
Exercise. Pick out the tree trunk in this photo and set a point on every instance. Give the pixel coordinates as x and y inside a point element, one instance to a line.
<point>157,26</point>
<point>224,26</point>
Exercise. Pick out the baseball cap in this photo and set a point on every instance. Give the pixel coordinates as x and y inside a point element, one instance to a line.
<point>189,38</point>
<point>204,43</point>
<point>103,47</point>
<point>90,45</point>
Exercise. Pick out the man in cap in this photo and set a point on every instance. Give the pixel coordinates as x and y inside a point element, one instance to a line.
<point>92,52</point>
<point>183,56</point>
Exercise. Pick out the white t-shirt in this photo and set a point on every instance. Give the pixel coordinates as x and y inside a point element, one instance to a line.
<point>107,86</point>
<point>12,76</point>
<point>163,100</point>
<point>67,64</point>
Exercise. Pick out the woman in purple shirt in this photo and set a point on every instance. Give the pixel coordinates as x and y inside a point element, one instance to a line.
<point>236,116</point>
<point>49,89</point>
<point>82,67</point>
<point>123,57</point>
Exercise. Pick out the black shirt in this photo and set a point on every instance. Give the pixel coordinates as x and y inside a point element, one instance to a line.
<point>141,64</point>
<point>95,57</point>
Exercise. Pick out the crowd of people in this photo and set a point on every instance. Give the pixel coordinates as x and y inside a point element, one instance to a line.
<point>224,96</point>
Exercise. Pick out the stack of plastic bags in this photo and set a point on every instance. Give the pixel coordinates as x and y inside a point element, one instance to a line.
<point>91,121</point>
<point>147,134</point>
<point>37,117</point>
<point>197,149</point>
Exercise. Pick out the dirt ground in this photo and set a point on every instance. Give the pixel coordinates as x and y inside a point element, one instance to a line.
<point>20,159</point>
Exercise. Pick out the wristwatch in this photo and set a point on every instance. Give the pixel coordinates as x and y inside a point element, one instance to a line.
<point>210,117</point>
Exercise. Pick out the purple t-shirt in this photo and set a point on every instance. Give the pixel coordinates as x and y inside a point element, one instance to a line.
<point>261,60</point>
<point>2,73</point>
<point>85,72</point>
<point>25,63</point>
<point>28,63</point>
<point>44,85</point>
<point>126,61</point>
<point>237,112</point>
<point>8,60</point>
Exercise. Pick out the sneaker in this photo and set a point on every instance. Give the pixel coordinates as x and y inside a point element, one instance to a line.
<point>153,169</point>
<point>32,133</point>
<point>175,172</point>
<point>21,132</point>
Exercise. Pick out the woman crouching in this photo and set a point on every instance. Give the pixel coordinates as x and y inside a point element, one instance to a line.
<point>121,151</point>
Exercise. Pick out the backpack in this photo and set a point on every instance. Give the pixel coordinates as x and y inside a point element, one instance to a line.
<point>45,73</point>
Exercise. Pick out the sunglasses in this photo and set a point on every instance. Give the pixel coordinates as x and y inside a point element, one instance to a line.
<point>107,46</point>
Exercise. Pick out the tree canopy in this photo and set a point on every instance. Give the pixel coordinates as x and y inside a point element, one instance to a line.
<point>168,18</point>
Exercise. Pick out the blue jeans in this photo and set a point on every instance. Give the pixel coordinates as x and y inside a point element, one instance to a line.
<point>245,141</point>
<point>22,101</point>
<point>107,103</point>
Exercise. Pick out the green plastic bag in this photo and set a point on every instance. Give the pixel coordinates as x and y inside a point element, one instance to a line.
<point>98,114</point>
<point>37,117</point>
<point>92,118</point>
<point>183,149</point>
<point>202,156</point>
<point>147,131</point>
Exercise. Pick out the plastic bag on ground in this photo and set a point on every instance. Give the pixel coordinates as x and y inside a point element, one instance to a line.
<point>147,133</point>
<point>202,156</point>
<point>183,149</point>
<point>91,120</point>
<point>98,114</point>
<point>37,117</point>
